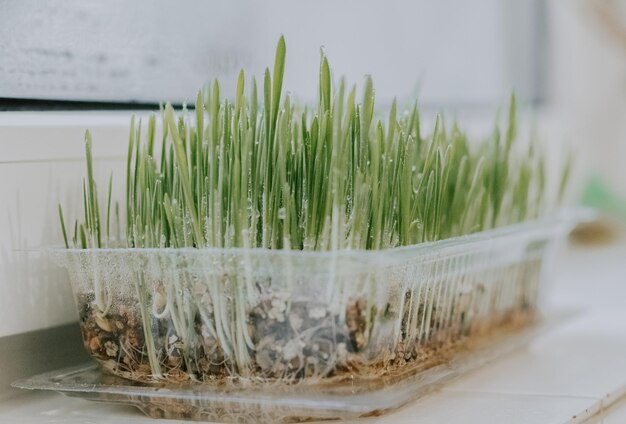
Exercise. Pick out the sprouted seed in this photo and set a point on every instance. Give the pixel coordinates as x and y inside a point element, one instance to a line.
<point>265,172</point>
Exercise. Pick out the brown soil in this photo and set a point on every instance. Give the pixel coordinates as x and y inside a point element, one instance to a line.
<point>364,378</point>
<point>296,344</point>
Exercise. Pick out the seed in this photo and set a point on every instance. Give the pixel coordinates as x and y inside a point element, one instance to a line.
<point>159,299</point>
<point>94,344</point>
<point>103,324</point>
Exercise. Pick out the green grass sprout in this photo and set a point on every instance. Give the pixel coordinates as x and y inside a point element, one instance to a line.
<point>268,173</point>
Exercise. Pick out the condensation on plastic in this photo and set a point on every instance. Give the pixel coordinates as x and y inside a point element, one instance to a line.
<point>259,318</point>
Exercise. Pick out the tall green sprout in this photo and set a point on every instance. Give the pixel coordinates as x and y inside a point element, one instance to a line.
<point>267,173</point>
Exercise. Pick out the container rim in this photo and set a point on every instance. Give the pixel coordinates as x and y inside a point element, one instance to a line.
<point>561,220</point>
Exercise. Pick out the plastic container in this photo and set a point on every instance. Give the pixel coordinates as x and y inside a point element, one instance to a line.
<point>352,321</point>
<point>278,402</point>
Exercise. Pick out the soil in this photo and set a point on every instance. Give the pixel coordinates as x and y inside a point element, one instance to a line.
<point>364,379</point>
<point>294,343</point>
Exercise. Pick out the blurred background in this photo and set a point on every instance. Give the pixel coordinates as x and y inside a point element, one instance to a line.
<point>565,59</point>
<point>67,66</point>
<point>448,53</point>
<point>83,64</point>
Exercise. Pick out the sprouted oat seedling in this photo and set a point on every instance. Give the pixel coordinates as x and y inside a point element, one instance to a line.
<point>268,173</point>
<point>262,174</point>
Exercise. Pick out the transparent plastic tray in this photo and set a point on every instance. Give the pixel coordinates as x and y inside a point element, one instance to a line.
<point>277,403</point>
<point>237,322</point>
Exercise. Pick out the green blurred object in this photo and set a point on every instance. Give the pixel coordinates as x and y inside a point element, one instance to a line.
<point>599,195</point>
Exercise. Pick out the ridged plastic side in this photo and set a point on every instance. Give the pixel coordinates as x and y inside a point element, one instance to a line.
<point>247,317</point>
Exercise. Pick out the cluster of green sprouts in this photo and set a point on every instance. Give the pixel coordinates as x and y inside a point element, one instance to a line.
<point>261,172</point>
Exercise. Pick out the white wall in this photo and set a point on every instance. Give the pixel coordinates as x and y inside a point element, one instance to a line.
<point>448,52</point>
<point>42,164</point>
